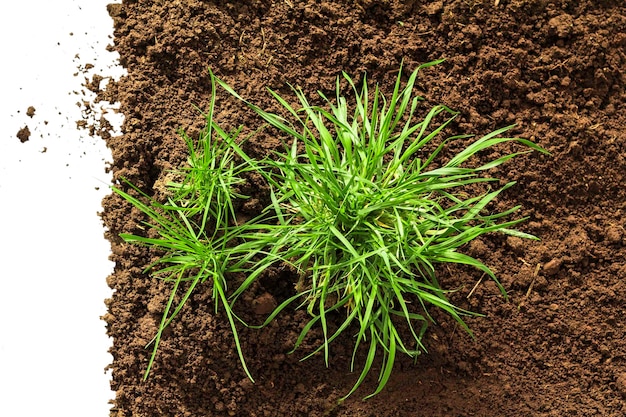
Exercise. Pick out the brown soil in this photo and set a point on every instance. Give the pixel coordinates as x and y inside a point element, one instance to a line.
<point>23,134</point>
<point>555,68</point>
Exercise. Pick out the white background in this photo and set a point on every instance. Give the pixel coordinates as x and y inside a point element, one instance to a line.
<point>53,256</point>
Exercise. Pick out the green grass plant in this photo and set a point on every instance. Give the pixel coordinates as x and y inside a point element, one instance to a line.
<point>196,226</point>
<point>366,200</point>
<point>364,214</point>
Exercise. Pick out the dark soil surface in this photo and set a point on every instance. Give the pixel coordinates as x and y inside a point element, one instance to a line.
<point>557,347</point>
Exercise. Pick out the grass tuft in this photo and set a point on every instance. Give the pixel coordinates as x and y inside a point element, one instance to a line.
<point>365,203</point>
<point>196,227</point>
<point>364,213</point>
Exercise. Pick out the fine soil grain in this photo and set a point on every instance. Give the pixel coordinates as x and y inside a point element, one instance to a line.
<point>557,347</point>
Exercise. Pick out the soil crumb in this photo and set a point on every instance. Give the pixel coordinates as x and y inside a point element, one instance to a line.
<point>24,134</point>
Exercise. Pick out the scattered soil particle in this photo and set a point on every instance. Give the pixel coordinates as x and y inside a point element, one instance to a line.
<point>24,134</point>
<point>30,112</point>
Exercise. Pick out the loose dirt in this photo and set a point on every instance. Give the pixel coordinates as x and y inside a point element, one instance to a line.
<point>554,68</point>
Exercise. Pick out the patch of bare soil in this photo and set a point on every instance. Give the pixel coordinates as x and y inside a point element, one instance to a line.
<point>555,68</point>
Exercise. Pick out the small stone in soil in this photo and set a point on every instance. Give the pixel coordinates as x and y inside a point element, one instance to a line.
<point>552,267</point>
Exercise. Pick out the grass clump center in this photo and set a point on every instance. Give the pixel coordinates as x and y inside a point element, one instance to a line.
<point>363,207</point>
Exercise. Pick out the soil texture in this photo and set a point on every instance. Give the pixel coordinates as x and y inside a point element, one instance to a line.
<point>557,347</point>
